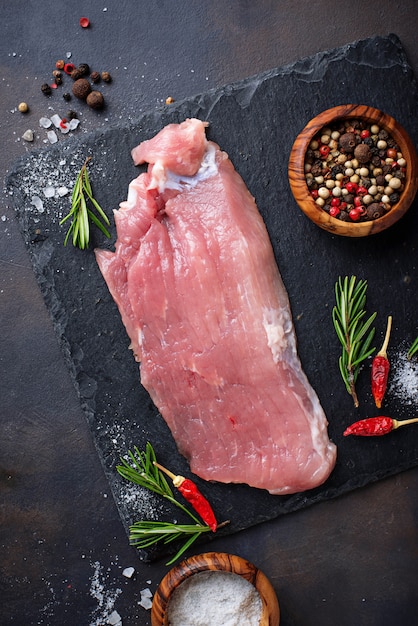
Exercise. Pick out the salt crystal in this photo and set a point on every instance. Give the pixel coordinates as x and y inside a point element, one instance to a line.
<point>56,120</point>
<point>45,122</point>
<point>128,572</point>
<point>146,603</point>
<point>37,203</point>
<point>69,55</point>
<point>52,136</point>
<point>114,619</point>
<point>62,191</point>
<point>146,593</point>
<point>49,192</point>
<point>72,124</point>
<point>28,135</point>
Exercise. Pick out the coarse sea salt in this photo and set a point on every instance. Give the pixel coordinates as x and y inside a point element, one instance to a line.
<point>404,379</point>
<point>215,599</point>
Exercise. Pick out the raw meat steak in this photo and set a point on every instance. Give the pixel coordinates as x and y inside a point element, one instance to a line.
<point>199,292</point>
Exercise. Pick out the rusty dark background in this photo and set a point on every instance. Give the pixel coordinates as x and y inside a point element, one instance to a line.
<point>350,560</point>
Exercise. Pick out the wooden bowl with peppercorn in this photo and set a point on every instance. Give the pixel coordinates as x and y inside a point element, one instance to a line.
<point>224,588</point>
<point>353,170</point>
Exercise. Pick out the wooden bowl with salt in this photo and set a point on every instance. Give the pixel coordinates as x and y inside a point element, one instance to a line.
<point>352,114</point>
<point>217,574</point>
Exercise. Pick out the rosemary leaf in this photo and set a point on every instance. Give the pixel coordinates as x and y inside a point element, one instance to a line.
<point>354,332</point>
<point>413,349</point>
<point>141,469</point>
<point>80,213</point>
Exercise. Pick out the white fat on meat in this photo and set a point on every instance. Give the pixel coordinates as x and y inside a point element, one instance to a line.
<point>199,292</point>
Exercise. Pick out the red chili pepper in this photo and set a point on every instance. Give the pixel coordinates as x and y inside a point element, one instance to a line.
<point>191,493</point>
<point>380,369</point>
<point>376,426</point>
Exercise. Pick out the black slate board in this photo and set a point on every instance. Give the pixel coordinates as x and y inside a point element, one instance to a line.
<point>256,122</point>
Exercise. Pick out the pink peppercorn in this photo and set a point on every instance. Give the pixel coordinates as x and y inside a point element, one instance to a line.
<point>84,22</point>
<point>355,214</point>
<point>334,211</point>
<point>68,68</point>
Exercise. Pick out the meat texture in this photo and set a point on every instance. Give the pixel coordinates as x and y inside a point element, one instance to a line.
<point>203,303</point>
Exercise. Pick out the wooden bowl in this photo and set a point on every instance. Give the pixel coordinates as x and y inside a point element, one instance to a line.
<point>215,561</point>
<point>297,178</point>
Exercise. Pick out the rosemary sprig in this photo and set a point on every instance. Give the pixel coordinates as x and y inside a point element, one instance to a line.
<point>145,473</point>
<point>82,214</point>
<point>354,332</point>
<point>413,349</point>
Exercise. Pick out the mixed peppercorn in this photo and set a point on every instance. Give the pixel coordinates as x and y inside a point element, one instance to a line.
<point>355,171</point>
<point>81,87</point>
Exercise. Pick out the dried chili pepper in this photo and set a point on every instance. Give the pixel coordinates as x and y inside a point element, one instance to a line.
<point>380,369</point>
<point>191,493</point>
<point>376,426</point>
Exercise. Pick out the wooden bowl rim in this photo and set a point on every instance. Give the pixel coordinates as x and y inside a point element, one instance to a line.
<point>210,561</point>
<point>297,171</point>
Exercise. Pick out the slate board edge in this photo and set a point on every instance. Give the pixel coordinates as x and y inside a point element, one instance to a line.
<point>52,299</point>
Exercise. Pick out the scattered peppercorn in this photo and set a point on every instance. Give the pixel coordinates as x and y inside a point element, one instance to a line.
<point>76,74</point>
<point>95,77</point>
<point>81,88</point>
<point>46,89</point>
<point>60,64</point>
<point>84,69</point>
<point>58,80</point>
<point>84,22</point>
<point>95,100</point>
<point>71,115</point>
<point>169,100</point>
<point>23,107</point>
<point>66,96</point>
<point>68,68</point>
<point>106,77</point>
<point>57,73</point>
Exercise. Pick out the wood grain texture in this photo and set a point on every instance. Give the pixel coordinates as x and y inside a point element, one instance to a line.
<point>215,561</point>
<point>300,190</point>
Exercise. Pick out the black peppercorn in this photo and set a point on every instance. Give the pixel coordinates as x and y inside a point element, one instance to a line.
<point>95,77</point>
<point>383,134</point>
<point>58,80</point>
<point>84,69</point>
<point>76,74</point>
<point>46,89</point>
<point>81,88</point>
<point>394,198</point>
<point>343,216</point>
<point>316,169</point>
<point>347,142</point>
<point>66,96</point>
<point>71,115</point>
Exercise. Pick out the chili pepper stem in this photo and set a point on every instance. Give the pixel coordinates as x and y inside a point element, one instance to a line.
<point>383,350</point>
<point>177,480</point>
<point>399,423</point>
